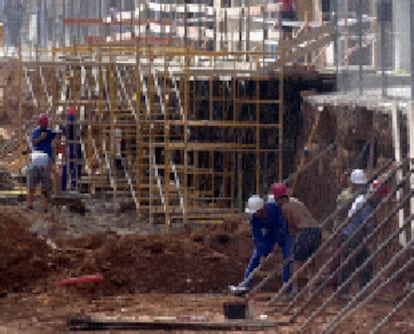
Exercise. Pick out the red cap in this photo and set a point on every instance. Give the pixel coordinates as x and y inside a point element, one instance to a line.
<point>279,189</point>
<point>71,111</point>
<point>43,120</point>
<point>377,184</point>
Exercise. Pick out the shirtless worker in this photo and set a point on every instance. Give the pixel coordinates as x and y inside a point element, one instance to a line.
<point>303,227</point>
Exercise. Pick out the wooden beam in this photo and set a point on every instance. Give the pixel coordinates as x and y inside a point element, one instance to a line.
<point>82,20</point>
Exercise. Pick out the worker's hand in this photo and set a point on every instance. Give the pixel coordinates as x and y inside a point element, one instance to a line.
<point>43,135</point>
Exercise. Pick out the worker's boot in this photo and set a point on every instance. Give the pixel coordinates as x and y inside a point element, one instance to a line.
<point>291,294</point>
<point>239,290</point>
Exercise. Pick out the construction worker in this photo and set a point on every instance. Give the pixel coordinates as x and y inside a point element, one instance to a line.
<point>72,167</point>
<point>41,162</point>
<point>343,200</point>
<point>268,228</point>
<point>360,210</point>
<point>288,13</point>
<point>303,226</point>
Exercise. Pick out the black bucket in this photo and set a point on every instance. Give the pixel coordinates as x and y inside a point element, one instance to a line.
<point>234,310</point>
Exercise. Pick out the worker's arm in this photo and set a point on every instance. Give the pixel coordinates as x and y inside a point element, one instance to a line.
<point>256,225</point>
<point>290,218</point>
<point>38,139</point>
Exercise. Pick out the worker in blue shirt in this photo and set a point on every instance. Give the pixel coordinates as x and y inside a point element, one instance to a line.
<point>42,137</point>
<point>268,228</point>
<point>41,161</point>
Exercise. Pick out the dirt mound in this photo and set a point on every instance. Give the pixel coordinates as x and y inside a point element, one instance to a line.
<point>201,261</point>
<point>24,257</point>
<point>204,260</point>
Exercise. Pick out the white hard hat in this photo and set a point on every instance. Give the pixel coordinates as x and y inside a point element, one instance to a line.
<point>358,177</point>
<point>254,204</point>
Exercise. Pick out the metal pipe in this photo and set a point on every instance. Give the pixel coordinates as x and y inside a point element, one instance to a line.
<point>318,251</point>
<point>341,315</point>
<point>339,250</point>
<point>382,47</point>
<point>378,289</point>
<point>359,18</point>
<point>353,254</point>
<point>396,308</point>
<point>412,46</point>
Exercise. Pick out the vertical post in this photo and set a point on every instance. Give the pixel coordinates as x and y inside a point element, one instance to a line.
<point>281,99</point>
<point>71,14</point>
<point>224,35</point>
<point>257,139</point>
<point>359,18</point>
<point>412,46</point>
<point>395,119</point>
<point>241,17</point>
<point>346,36</point>
<point>120,20</point>
<point>38,31</point>
<point>336,48</point>
<point>138,131</point>
<point>112,105</point>
<point>411,146</point>
<point>167,151</point>
<point>382,47</point>
<point>262,9</point>
<point>185,27</point>
<point>216,24</point>
<point>20,102</point>
<point>100,31</point>
<point>247,28</point>
<point>63,23</point>
<point>307,29</point>
<point>78,15</point>
<point>185,129</point>
<point>132,11</point>
<point>411,112</point>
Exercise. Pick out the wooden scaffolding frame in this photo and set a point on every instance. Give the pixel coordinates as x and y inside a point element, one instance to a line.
<point>181,135</point>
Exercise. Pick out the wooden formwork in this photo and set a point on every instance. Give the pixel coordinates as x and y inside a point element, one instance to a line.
<point>182,135</point>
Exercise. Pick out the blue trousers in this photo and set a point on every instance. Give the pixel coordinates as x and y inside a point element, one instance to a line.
<point>285,246</point>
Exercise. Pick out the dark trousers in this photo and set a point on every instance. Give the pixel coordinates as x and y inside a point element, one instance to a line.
<point>359,258</point>
<point>285,246</point>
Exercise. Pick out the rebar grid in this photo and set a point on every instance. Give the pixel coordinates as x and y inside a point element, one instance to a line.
<point>318,251</point>
<point>392,312</point>
<point>359,269</point>
<point>347,260</point>
<point>350,308</point>
<point>344,312</point>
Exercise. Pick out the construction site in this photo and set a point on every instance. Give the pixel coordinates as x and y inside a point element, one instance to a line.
<point>170,115</point>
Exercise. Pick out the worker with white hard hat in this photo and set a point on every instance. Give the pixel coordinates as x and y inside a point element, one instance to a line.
<point>358,181</point>
<point>358,214</point>
<point>268,227</point>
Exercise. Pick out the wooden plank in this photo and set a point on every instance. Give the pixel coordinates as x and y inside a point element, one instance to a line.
<point>82,20</point>
<point>234,325</point>
<point>94,39</point>
<point>231,124</point>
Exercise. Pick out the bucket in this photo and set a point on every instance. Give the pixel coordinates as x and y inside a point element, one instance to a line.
<point>234,310</point>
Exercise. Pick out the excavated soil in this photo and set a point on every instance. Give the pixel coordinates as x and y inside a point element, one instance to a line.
<point>188,262</point>
<point>183,275</point>
<point>203,261</point>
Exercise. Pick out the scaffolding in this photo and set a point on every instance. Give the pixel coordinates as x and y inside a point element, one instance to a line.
<point>182,135</point>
